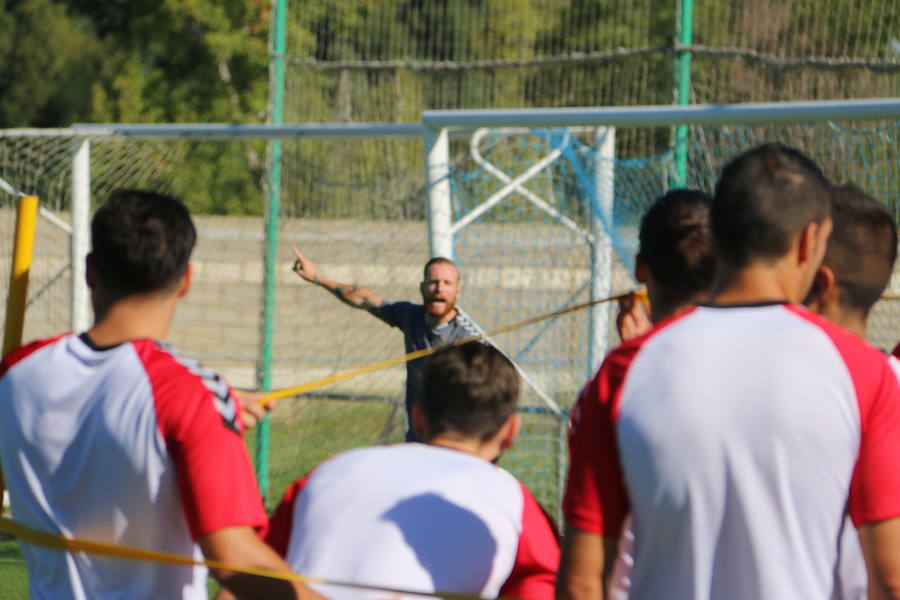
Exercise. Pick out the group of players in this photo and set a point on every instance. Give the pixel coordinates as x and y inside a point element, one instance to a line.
<point>736,445</point>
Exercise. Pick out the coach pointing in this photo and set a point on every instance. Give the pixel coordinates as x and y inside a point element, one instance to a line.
<point>433,323</point>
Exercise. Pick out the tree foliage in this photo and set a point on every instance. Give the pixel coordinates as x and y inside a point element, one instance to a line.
<point>146,61</point>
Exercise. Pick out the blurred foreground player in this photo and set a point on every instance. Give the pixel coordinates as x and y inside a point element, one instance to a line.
<point>112,436</point>
<point>438,516</point>
<point>433,323</point>
<point>746,428</point>
<point>856,270</point>
<point>676,263</point>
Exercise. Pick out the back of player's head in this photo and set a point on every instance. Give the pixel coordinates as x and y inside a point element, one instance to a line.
<point>862,247</point>
<point>141,242</point>
<point>765,198</point>
<point>676,244</point>
<point>470,390</point>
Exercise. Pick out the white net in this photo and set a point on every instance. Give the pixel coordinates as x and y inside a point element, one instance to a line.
<point>521,258</point>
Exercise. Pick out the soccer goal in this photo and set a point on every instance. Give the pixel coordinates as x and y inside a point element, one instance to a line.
<point>540,209</point>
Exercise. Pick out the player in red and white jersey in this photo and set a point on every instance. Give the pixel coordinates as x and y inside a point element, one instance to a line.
<point>427,517</point>
<point>745,429</point>
<point>856,270</point>
<point>676,263</point>
<point>112,436</point>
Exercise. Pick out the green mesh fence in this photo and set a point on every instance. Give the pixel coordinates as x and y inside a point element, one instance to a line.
<point>351,61</point>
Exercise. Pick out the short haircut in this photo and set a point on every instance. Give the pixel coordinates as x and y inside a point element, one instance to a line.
<point>141,242</point>
<point>862,247</point>
<point>764,198</point>
<point>676,244</point>
<point>470,390</point>
<point>439,260</point>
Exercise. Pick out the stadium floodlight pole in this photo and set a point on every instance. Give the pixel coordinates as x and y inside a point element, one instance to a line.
<point>601,210</point>
<point>437,180</point>
<point>80,317</point>
<point>273,209</point>
<point>683,86</point>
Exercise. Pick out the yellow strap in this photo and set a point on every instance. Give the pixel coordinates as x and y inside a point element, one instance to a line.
<point>66,544</point>
<point>376,366</point>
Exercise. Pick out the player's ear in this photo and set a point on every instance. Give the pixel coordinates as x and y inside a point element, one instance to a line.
<point>810,245</point>
<point>419,425</point>
<point>641,271</point>
<point>823,290</point>
<point>510,430</point>
<point>90,277</point>
<point>185,284</point>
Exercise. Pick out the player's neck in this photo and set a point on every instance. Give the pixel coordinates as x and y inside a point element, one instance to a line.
<point>132,318</point>
<point>852,321</point>
<point>756,283</point>
<point>433,321</point>
<point>487,451</point>
<point>665,307</point>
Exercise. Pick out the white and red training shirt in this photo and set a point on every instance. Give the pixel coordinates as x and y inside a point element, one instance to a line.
<point>420,518</point>
<point>132,445</point>
<point>738,438</point>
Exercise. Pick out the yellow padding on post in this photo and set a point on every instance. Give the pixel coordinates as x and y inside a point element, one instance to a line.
<point>23,248</point>
<point>376,366</point>
<point>66,544</point>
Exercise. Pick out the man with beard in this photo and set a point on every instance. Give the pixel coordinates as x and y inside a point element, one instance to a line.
<point>435,322</point>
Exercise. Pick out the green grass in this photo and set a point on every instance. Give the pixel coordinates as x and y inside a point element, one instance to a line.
<point>13,574</point>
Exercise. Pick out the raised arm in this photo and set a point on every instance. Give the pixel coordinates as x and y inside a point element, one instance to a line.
<point>349,294</point>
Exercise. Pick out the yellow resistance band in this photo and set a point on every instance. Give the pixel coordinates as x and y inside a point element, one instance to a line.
<point>66,544</point>
<point>376,366</point>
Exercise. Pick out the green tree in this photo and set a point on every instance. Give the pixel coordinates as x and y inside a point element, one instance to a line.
<point>47,58</point>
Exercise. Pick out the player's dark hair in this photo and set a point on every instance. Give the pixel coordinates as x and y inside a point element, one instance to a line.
<point>438,260</point>
<point>862,247</point>
<point>764,198</point>
<point>141,242</point>
<point>676,244</point>
<point>470,390</point>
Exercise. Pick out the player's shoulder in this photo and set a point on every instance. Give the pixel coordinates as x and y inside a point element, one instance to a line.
<point>622,356</point>
<point>401,306</point>
<point>182,381</point>
<point>22,352</point>
<point>159,356</point>
<point>400,312</point>
<point>895,365</point>
<point>848,344</point>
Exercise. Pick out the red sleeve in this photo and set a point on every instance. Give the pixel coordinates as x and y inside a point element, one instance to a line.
<point>533,576</point>
<point>875,486</point>
<point>595,499</point>
<point>198,419</point>
<point>278,534</point>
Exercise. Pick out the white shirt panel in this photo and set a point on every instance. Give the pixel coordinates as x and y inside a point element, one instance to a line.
<point>738,470</point>
<point>80,437</point>
<point>408,516</point>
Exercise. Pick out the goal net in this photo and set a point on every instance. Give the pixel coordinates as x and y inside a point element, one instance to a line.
<point>538,247</point>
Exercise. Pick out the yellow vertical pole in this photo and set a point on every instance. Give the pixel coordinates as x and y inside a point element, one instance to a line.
<point>23,246</point>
